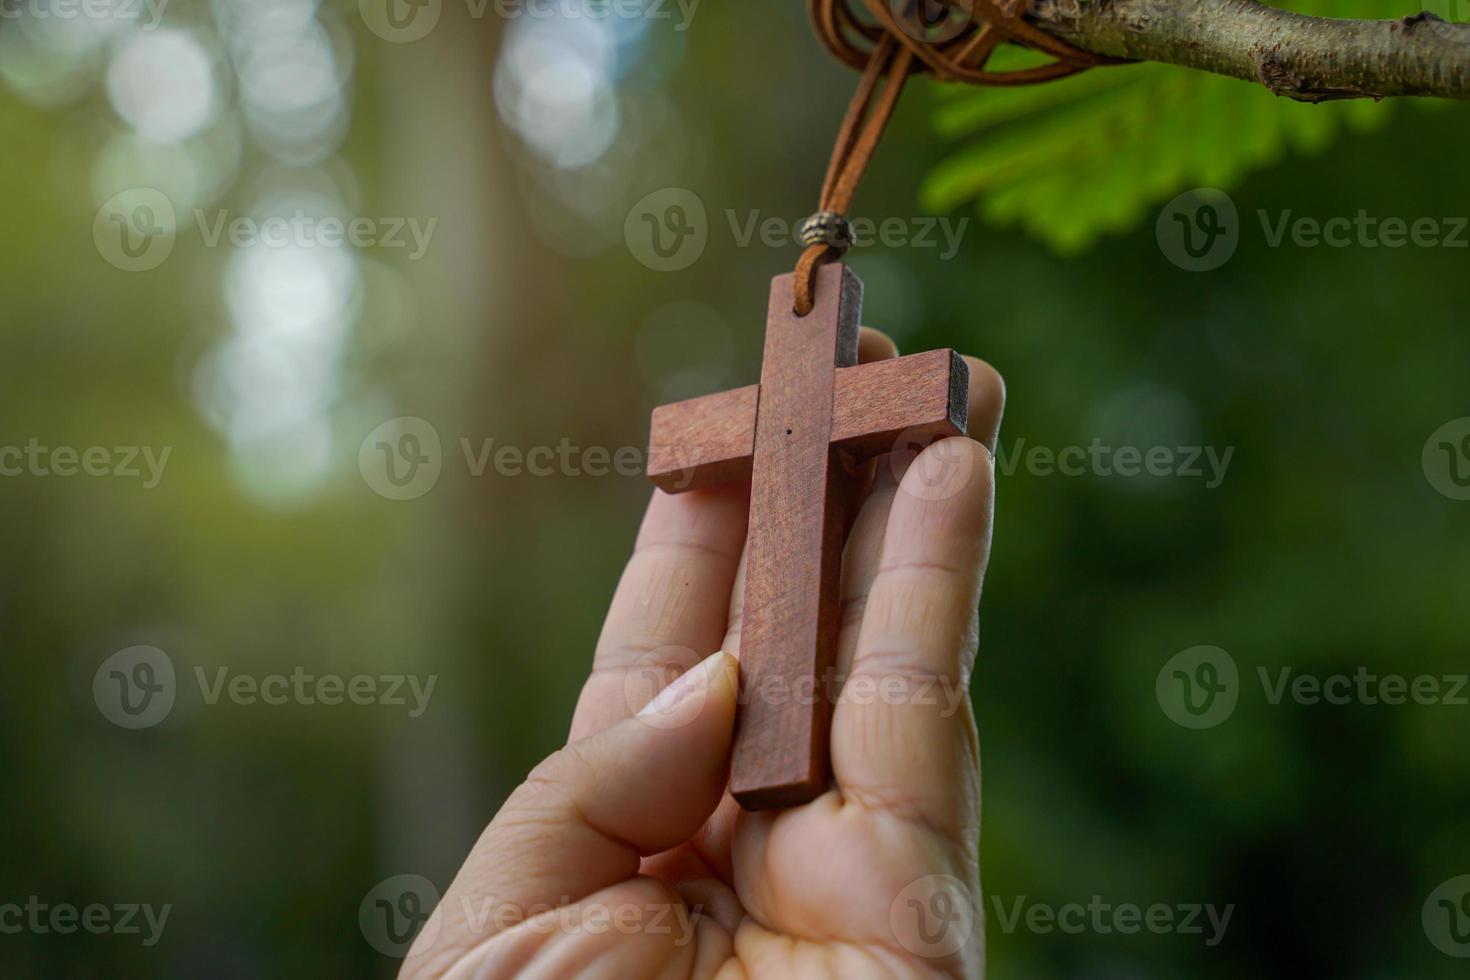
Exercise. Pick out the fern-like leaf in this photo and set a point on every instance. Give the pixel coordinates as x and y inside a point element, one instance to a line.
<point>1094,153</point>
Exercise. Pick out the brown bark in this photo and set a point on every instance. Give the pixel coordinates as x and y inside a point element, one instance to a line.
<point>1310,59</point>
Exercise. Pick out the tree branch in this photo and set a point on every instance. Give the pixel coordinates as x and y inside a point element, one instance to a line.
<point>1310,59</point>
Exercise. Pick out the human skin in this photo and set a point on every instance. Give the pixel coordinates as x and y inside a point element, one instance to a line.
<point>623,855</point>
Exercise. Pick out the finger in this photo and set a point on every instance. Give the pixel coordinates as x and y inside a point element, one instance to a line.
<point>731,643</point>
<point>670,608</point>
<point>875,345</point>
<point>987,402</point>
<point>865,543</point>
<point>903,736</point>
<point>587,816</point>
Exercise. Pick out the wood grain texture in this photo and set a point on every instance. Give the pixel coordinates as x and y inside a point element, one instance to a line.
<point>704,442</point>
<point>899,403</point>
<point>799,437</point>
<point>794,552</point>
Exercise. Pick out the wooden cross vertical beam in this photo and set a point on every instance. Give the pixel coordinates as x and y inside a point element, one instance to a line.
<point>793,565</point>
<point>798,437</point>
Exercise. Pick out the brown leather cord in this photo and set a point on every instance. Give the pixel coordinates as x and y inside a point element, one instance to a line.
<point>890,50</point>
<point>858,138</point>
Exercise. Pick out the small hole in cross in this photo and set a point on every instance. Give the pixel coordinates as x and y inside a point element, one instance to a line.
<point>788,432</point>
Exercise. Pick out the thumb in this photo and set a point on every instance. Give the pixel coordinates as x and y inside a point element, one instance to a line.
<point>585,818</point>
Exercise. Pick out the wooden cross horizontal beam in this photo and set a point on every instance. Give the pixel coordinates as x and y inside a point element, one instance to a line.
<point>709,441</point>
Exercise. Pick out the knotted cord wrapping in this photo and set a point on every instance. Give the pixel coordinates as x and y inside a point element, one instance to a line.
<point>890,49</point>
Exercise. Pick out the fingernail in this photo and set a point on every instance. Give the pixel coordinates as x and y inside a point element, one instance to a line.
<point>694,682</point>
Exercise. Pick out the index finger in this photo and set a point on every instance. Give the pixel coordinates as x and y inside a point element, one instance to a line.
<point>671,606</point>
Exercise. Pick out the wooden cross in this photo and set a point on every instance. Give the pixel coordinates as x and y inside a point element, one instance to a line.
<point>799,437</point>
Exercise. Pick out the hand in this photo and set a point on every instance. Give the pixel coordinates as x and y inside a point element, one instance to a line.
<point>623,855</point>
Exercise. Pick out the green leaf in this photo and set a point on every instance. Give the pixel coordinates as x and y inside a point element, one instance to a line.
<point>1096,153</point>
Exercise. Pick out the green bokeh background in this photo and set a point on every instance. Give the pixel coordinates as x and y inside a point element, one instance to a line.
<point>1325,549</point>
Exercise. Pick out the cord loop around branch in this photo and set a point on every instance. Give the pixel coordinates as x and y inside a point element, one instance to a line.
<point>949,39</point>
